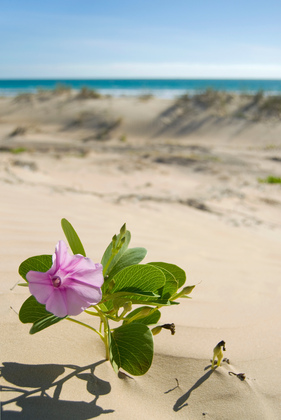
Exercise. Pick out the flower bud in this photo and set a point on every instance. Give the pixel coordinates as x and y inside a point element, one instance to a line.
<point>123,230</point>
<point>218,353</point>
<point>110,285</point>
<point>170,327</point>
<point>114,239</point>
<point>145,311</point>
<point>120,243</point>
<point>187,290</point>
<point>127,306</point>
<point>156,330</point>
<point>183,293</point>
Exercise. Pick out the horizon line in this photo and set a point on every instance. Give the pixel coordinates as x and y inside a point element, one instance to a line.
<point>139,78</point>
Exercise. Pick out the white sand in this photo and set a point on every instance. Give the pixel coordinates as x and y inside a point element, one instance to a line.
<point>231,251</point>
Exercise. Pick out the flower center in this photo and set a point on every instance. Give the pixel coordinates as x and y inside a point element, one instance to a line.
<point>56,281</point>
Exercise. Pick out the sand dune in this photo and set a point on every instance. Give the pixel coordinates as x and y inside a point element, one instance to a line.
<point>191,197</point>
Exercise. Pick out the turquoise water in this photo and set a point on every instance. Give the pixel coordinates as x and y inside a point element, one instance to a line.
<point>132,87</point>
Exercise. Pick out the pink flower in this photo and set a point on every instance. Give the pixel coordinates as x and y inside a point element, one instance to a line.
<point>72,284</point>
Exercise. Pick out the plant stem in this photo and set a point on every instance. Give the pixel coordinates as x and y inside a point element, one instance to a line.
<point>104,320</point>
<point>91,313</point>
<point>106,333</point>
<point>120,317</point>
<point>109,261</point>
<point>86,325</point>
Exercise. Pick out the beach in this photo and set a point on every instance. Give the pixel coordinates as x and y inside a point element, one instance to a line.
<point>196,181</point>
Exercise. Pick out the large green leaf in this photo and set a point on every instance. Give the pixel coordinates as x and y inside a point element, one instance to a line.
<point>130,257</point>
<point>43,323</point>
<point>32,310</point>
<point>171,285</point>
<point>36,313</point>
<point>72,238</point>
<point>143,277</point>
<point>176,271</point>
<point>131,291</point>
<point>147,318</point>
<point>138,279</point>
<point>131,348</point>
<point>38,263</point>
<point>108,253</point>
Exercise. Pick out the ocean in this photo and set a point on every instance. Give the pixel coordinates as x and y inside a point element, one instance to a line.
<point>165,88</point>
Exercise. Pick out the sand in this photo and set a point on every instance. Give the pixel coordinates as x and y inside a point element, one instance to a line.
<point>185,180</point>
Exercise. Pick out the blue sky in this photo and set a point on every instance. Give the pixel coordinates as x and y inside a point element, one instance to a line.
<point>148,38</point>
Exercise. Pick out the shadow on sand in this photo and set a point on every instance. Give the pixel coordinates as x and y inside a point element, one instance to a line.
<point>181,402</point>
<point>32,383</point>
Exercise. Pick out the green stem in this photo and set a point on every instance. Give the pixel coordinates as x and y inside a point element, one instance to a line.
<point>91,313</point>
<point>106,330</point>
<point>116,246</point>
<point>86,325</point>
<point>106,333</point>
<point>108,262</point>
<point>139,315</point>
<point>120,317</point>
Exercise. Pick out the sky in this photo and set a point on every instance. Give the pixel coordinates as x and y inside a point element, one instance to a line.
<point>140,39</point>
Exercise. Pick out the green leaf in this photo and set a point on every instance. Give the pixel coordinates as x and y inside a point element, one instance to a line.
<point>131,348</point>
<point>171,285</point>
<point>72,238</point>
<point>141,300</point>
<point>43,323</point>
<point>36,313</point>
<point>187,290</point>
<point>32,310</point>
<point>155,302</point>
<point>108,253</point>
<point>176,271</point>
<point>40,263</point>
<point>132,291</point>
<point>117,300</point>
<point>143,277</point>
<point>131,256</point>
<point>143,280</point>
<point>149,319</point>
<point>140,277</point>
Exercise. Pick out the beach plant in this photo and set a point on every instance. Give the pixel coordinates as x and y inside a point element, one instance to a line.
<point>18,131</point>
<point>270,180</point>
<point>123,294</point>
<point>61,88</point>
<point>218,354</point>
<point>258,97</point>
<point>18,150</point>
<point>145,97</point>
<point>87,93</point>
<point>272,105</point>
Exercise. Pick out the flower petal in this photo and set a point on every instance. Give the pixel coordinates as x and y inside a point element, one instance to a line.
<point>39,285</point>
<point>80,287</point>
<point>87,292</point>
<point>41,293</point>
<point>61,257</point>
<point>87,272</point>
<point>56,303</point>
<point>75,302</point>
<point>38,277</point>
